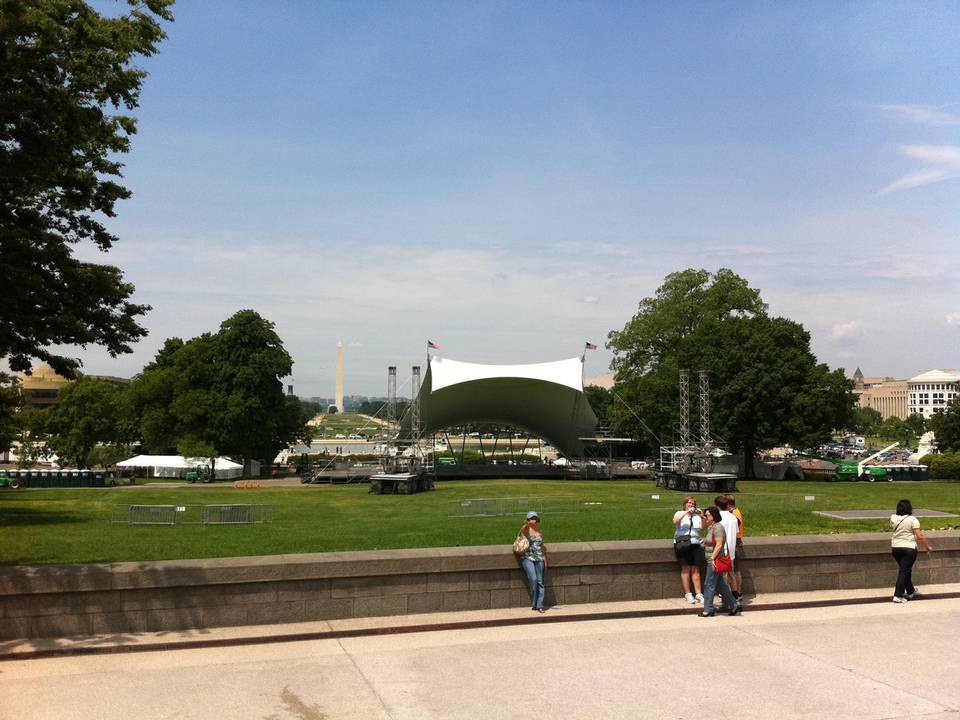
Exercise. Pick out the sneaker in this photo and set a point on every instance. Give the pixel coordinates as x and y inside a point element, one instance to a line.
<point>914,595</point>
<point>689,598</point>
<point>736,594</point>
<point>898,599</point>
<point>699,598</point>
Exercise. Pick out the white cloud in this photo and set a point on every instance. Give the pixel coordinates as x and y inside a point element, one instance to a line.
<point>953,318</point>
<point>590,299</point>
<point>923,114</point>
<point>937,163</point>
<point>846,330</point>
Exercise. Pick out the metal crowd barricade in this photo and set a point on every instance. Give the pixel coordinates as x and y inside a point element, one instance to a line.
<point>500,507</point>
<point>152,515</point>
<point>235,514</point>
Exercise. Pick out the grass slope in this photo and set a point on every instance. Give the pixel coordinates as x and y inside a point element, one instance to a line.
<point>68,526</point>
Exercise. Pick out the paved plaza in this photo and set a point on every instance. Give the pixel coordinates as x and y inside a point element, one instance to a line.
<point>870,660</point>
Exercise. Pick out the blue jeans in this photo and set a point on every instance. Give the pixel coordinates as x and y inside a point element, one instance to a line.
<point>715,581</point>
<point>534,571</point>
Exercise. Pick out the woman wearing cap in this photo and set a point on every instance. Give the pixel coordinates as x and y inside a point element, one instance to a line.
<point>688,548</point>
<point>534,560</point>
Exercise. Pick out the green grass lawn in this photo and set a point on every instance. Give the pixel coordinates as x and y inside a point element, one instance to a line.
<point>67,525</point>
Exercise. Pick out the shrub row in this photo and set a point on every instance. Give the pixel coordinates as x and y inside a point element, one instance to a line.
<point>943,467</point>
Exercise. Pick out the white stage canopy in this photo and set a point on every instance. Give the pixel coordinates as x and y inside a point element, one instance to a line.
<point>172,466</point>
<point>545,399</point>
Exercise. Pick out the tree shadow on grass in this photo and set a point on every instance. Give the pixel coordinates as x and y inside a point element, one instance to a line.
<point>37,516</point>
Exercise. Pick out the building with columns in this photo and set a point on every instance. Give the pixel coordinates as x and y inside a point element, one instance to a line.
<point>886,395</point>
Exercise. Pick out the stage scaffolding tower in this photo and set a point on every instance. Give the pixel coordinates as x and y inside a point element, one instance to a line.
<point>704,408</point>
<point>415,407</point>
<point>392,395</point>
<point>685,409</point>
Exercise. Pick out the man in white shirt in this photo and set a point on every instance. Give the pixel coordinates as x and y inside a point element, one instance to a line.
<point>730,524</point>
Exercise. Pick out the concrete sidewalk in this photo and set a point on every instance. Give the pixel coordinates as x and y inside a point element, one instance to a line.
<point>430,622</point>
<point>872,660</point>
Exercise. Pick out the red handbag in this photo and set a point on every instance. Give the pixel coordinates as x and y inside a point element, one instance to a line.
<point>723,564</point>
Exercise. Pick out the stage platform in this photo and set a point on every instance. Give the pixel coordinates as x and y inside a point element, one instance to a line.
<point>698,482</point>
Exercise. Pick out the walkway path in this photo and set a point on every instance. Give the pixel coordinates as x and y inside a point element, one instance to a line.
<point>865,660</point>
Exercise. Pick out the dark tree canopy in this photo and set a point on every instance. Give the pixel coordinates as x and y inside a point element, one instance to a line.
<point>222,393</point>
<point>9,405</point>
<point>766,385</point>
<point>683,302</point>
<point>865,421</point>
<point>66,80</point>
<point>90,411</point>
<point>946,427</point>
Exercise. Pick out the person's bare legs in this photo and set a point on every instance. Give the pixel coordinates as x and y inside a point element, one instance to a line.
<point>695,576</point>
<point>685,578</point>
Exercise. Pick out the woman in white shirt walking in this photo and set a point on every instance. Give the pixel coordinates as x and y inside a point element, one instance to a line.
<point>906,533</point>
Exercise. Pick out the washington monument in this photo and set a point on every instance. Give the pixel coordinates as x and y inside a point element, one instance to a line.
<point>339,397</point>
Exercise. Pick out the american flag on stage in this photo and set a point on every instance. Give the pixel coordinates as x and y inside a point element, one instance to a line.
<point>590,346</point>
<point>432,345</point>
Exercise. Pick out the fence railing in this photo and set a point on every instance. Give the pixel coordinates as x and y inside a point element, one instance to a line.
<point>233,514</point>
<point>499,507</point>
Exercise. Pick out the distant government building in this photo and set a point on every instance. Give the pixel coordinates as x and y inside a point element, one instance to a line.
<point>927,393</point>
<point>41,389</point>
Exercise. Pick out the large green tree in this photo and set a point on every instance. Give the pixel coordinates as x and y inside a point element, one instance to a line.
<point>90,411</point>
<point>67,84</point>
<point>766,386</point>
<point>221,392</point>
<point>946,427</point>
<point>647,351</point>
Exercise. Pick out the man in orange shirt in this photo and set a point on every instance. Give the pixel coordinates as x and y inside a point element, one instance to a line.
<point>737,579</point>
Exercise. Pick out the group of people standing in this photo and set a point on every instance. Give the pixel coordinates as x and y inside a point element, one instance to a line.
<point>712,538</point>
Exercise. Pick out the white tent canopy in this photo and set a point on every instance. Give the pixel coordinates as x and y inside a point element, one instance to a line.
<point>546,399</point>
<point>176,465</point>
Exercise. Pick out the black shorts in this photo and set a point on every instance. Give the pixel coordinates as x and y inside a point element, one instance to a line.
<point>693,555</point>
<point>741,555</point>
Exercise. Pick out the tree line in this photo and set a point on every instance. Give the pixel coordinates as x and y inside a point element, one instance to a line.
<point>216,394</point>
<point>766,386</point>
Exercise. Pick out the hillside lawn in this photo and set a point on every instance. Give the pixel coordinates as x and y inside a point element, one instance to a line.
<point>74,525</point>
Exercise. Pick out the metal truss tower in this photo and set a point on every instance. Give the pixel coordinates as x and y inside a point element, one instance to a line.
<point>415,407</point>
<point>684,408</point>
<point>392,394</point>
<point>704,407</point>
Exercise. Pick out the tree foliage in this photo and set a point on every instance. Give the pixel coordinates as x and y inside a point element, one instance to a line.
<point>90,411</point>
<point>865,420</point>
<point>946,427</point>
<point>66,80</point>
<point>766,386</point>
<point>10,402</point>
<point>221,392</point>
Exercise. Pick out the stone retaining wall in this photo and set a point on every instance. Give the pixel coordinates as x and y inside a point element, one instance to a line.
<point>66,600</point>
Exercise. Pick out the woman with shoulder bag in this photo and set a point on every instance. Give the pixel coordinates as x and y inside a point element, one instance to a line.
<point>688,548</point>
<point>718,563</point>
<point>906,532</point>
<point>533,560</point>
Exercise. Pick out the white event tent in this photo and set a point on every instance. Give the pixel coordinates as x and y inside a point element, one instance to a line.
<point>545,399</point>
<point>172,466</point>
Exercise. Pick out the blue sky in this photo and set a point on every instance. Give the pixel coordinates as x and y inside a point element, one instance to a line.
<point>511,179</point>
